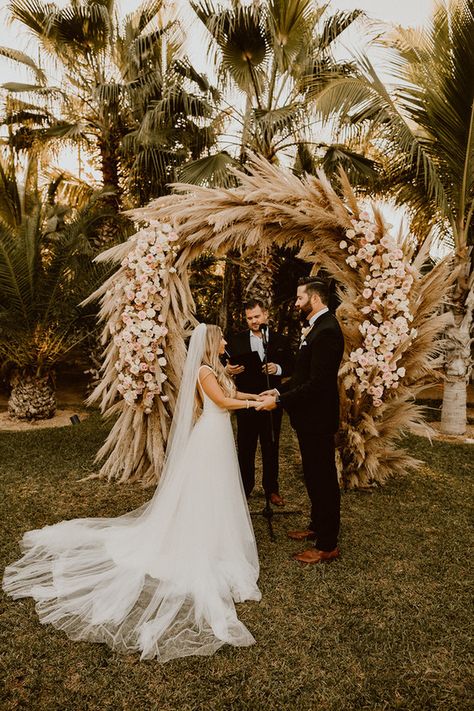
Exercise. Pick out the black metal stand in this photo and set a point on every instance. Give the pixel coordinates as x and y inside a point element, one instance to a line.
<point>265,362</point>
<point>268,513</point>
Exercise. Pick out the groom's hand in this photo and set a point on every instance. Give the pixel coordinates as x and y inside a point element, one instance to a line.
<point>267,393</point>
<point>268,403</point>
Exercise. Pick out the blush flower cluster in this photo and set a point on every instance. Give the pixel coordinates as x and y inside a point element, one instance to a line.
<point>140,329</point>
<point>386,330</point>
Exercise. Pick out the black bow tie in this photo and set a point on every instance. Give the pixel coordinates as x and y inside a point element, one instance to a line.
<point>305,323</point>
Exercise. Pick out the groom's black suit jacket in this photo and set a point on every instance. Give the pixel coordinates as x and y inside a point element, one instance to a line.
<point>278,351</point>
<point>311,397</point>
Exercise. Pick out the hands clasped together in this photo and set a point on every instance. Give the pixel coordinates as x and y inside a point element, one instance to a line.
<point>264,401</point>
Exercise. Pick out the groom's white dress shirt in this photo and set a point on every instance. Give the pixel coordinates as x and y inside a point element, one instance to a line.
<point>317,315</point>
<point>306,330</point>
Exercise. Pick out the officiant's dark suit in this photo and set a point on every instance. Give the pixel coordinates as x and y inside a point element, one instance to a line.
<point>311,399</point>
<point>252,426</point>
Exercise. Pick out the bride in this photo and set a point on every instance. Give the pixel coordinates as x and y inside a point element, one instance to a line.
<point>162,579</point>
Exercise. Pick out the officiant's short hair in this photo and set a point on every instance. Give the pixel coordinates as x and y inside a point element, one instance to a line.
<point>253,303</point>
<point>313,285</point>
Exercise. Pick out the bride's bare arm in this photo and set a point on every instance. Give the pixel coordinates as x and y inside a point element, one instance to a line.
<point>214,391</point>
<point>246,396</point>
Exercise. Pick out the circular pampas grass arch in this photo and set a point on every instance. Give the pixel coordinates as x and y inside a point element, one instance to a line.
<point>389,313</point>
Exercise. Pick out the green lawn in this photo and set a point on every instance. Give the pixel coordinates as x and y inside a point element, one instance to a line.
<point>385,627</point>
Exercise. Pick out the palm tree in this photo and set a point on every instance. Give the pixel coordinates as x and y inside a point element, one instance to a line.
<point>273,57</point>
<point>121,95</point>
<point>45,271</point>
<point>422,134</point>
<point>176,122</point>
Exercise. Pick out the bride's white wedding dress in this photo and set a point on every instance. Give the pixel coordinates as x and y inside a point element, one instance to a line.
<point>161,580</point>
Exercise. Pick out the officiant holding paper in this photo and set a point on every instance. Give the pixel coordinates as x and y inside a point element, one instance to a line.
<point>256,354</point>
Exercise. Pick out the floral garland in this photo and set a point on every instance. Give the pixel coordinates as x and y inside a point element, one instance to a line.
<point>386,331</point>
<point>140,328</point>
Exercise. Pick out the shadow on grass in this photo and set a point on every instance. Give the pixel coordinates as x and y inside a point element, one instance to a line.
<point>385,627</point>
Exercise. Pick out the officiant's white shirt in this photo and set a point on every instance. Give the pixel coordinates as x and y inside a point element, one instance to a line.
<point>256,344</point>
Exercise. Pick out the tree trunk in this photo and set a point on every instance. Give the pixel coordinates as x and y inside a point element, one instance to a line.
<point>32,397</point>
<point>231,308</point>
<point>453,415</point>
<point>258,276</point>
<point>107,232</point>
<point>458,355</point>
<point>110,168</point>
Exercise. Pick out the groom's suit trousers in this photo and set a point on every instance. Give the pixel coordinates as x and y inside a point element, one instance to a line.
<point>318,457</point>
<point>312,401</point>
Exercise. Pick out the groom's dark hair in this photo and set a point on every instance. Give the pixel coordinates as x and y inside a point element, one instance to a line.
<point>313,285</point>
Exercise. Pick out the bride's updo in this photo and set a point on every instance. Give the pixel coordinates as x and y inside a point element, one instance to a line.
<point>211,357</point>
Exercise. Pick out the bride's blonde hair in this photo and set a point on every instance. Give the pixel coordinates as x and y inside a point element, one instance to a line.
<point>211,357</point>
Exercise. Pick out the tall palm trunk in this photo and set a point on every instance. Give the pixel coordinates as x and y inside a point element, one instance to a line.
<point>458,354</point>
<point>258,276</point>
<point>258,267</point>
<point>231,311</point>
<point>110,166</point>
<point>32,397</point>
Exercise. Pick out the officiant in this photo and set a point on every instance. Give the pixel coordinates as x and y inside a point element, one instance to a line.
<point>254,354</point>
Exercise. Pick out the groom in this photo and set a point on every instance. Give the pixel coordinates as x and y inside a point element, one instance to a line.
<point>312,401</point>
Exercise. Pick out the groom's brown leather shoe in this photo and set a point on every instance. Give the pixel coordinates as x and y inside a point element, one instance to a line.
<point>306,535</point>
<point>313,555</point>
<point>276,500</point>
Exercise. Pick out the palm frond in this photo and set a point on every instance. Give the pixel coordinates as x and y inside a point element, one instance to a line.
<point>10,199</point>
<point>14,279</point>
<point>335,25</point>
<point>81,27</point>
<point>21,58</point>
<point>136,22</point>
<point>211,170</point>
<point>289,24</point>
<point>240,36</point>
<point>33,14</point>
<point>21,88</point>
